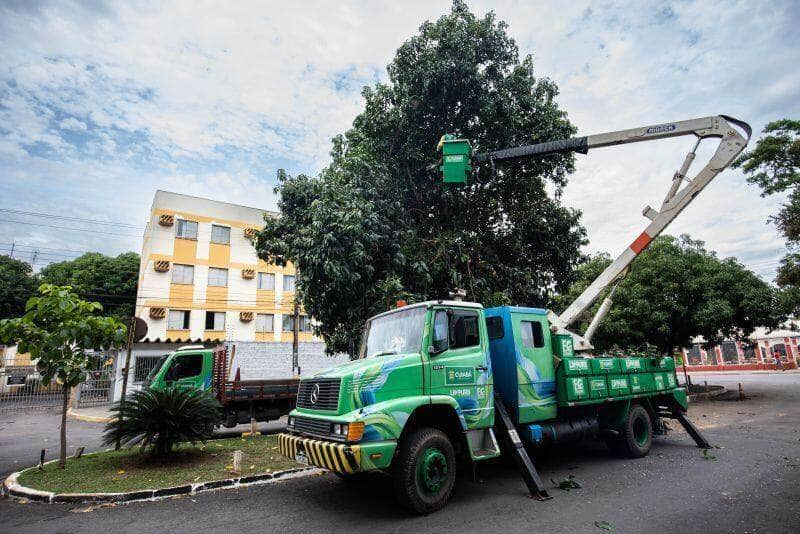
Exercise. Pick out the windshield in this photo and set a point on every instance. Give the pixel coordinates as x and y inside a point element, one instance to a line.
<point>156,368</point>
<point>396,333</point>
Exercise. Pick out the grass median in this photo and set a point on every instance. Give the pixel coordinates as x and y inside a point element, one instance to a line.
<point>131,470</point>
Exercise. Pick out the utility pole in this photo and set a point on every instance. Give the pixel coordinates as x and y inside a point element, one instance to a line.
<point>11,255</point>
<point>296,338</point>
<point>125,372</point>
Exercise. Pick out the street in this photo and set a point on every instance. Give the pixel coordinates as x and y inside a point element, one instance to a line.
<point>749,484</point>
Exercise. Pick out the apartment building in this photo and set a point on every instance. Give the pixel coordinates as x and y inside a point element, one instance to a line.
<point>200,281</point>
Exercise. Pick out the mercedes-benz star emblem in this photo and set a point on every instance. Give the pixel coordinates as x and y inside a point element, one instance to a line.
<point>314,397</point>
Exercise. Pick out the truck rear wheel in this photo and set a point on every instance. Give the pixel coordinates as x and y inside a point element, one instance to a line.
<point>424,471</point>
<point>636,434</point>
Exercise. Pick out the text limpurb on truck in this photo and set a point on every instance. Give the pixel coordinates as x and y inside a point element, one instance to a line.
<point>437,383</point>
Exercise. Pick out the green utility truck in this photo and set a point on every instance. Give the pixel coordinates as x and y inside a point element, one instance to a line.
<point>199,368</point>
<point>422,395</point>
<point>441,381</point>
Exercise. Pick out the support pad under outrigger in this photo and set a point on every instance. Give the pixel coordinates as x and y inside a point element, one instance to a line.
<point>525,466</point>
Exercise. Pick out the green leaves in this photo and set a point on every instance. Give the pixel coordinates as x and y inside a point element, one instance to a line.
<point>164,418</point>
<point>377,224</point>
<point>567,484</point>
<point>677,290</point>
<point>58,328</point>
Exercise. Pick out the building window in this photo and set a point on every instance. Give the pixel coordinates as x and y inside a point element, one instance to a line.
<point>217,277</point>
<point>220,234</point>
<point>288,323</point>
<point>729,352</point>
<point>288,282</point>
<point>265,322</point>
<point>182,274</point>
<point>186,229</point>
<point>266,281</point>
<point>215,320</point>
<point>178,320</point>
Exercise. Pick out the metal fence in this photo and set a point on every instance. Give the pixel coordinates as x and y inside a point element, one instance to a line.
<point>142,367</point>
<point>21,390</point>
<point>98,387</point>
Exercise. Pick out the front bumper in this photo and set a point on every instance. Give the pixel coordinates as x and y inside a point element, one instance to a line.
<point>325,454</point>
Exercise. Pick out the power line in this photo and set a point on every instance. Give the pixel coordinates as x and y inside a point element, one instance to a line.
<point>65,218</point>
<point>69,228</point>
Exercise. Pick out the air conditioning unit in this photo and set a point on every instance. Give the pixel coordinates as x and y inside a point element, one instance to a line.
<point>161,266</point>
<point>246,316</point>
<point>158,313</point>
<point>250,233</point>
<point>166,219</point>
<point>248,274</point>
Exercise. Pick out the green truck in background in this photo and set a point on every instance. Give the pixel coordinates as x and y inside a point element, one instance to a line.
<point>208,369</point>
<point>437,383</point>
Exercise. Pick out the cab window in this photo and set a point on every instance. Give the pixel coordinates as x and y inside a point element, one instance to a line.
<point>463,329</point>
<point>532,334</point>
<point>186,366</point>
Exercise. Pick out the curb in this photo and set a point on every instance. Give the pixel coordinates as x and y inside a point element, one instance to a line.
<point>708,395</point>
<point>71,413</point>
<point>13,490</point>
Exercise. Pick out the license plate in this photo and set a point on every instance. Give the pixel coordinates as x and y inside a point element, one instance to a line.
<point>301,457</point>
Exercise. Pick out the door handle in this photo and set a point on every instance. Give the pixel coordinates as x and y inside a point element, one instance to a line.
<point>482,368</point>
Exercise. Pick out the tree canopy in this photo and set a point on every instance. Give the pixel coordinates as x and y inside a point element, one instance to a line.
<point>16,286</point>
<point>108,280</point>
<point>676,290</point>
<point>774,165</point>
<point>378,224</point>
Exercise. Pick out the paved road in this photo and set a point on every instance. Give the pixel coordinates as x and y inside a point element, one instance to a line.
<point>752,486</point>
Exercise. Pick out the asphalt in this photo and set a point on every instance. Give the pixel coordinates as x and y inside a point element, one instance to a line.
<point>752,484</point>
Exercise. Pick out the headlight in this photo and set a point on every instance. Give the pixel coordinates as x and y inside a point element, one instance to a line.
<point>290,421</point>
<point>339,429</point>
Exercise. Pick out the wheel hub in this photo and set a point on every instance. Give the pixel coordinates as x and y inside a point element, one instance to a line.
<point>432,470</point>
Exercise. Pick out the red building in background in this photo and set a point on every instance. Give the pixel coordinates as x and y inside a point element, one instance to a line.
<point>764,352</point>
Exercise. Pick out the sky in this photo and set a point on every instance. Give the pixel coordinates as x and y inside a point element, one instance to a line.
<point>101,104</point>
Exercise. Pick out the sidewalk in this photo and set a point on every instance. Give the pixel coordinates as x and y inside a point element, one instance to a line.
<point>95,414</point>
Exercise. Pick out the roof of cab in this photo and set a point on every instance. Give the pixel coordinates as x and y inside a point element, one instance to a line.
<point>515,309</point>
<point>428,303</point>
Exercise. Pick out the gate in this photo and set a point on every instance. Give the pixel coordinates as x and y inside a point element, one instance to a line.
<point>21,390</point>
<point>98,387</point>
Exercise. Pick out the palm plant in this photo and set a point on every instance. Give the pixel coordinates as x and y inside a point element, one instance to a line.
<point>164,418</point>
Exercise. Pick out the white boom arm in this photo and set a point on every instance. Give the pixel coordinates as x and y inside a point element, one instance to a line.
<point>732,143</point>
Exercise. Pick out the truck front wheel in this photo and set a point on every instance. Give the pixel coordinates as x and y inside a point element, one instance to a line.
<point>636,434</point>
<point>425,471</point>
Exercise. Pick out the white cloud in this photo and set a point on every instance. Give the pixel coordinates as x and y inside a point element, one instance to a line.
<point>211,99</point>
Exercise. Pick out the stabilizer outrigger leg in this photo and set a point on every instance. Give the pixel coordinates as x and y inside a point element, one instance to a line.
<point>524,464</point>
<point>691,429</point>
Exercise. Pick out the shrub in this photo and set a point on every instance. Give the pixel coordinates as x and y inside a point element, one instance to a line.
<point>164,418</point>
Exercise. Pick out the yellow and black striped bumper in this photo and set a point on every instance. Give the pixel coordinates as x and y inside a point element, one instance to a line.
<point>325,454</point>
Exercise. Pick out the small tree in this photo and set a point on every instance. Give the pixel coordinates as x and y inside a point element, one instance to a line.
<point>58,328</point>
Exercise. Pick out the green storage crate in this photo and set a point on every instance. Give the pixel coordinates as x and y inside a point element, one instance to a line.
<point>660,382</point>
<point>597,387</point>
<point>576,388</point>
<point>671,380</point>
<point>563,346</point>
<point>632,365</point>
<point>641,383</point>
<point>576,366</point>
<point>667,363</point>
<point>618,385</point>
<point>605,366</point>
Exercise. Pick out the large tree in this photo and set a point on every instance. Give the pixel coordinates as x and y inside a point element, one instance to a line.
<point>774,165</point>
<point>16,286</point>
<point>677,290</point>
<point>108,280</point>
<point>378,223</point>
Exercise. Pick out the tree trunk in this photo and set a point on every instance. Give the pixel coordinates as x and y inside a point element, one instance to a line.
<point>63,458</point>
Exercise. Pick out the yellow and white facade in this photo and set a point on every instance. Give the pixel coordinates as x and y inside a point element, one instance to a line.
<point>201,281</point>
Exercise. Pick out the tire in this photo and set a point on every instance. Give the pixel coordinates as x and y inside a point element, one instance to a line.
<point>424,471</point>
<point>636,435</point>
